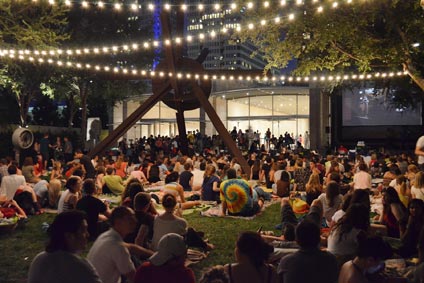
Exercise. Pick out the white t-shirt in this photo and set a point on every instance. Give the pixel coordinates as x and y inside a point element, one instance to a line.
<point>347,245</point>
<point>338,215</point>
<point>418,193</point>
<point>110,257</point>
<point>420,145</point>
<point>63,267</point>
<point>10,184</point>
<point>362,180</point>
<point>197,177</point>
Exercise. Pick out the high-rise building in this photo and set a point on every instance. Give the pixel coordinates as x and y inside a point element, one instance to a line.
<point>225,53</point>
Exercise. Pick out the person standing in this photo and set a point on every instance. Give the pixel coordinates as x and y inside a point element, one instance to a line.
<point>44,149</point>
<point>307,140</point>
<point>67,149</point>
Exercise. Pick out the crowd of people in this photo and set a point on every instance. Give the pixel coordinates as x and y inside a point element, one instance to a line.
<point>330,221</point>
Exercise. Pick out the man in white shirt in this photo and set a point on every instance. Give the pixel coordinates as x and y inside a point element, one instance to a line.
<point>110,255</point>
<point>362,179</point>
<point>10,184</point>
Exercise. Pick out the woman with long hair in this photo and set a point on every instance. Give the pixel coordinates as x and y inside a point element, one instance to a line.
<point>56,171</point>
<point>210,186</point>
<point>394,214</point>
<point>69,198</point>
<point>313,188</point>
<point>331,201</point>
<point>417,190</point>
<point>402,189</point>
<point>282,186</point>
<point>343,238</point>
<point>414,226</point>
<point>251,254</point>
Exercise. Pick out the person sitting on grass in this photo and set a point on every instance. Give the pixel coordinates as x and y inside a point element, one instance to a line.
<point>69,198</point>
<point>145,213</point>
<point>60,262</point>
<point>169,222</point>
<point>97,211</point>
<point>395,214</point>
<point>372,251</point>
<point>331,201</point>
<point>167,263</point>
<point>346,233</point>
<point>186,177</point>
<point>251,253</point>
<point>110,255</point>
<point>410,239</point>
<point>11,208</point>
<point>113,183</point>
<point>309,264</point>
<point>237,197</point>
<point>172,187</point>
<point>132,188</point>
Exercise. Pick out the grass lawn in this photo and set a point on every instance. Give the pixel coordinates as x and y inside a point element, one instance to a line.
<point>19,247</point>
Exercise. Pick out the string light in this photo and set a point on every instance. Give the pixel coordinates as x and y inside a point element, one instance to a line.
<point>133,7</point>
<point>206,75</point>
<point>128,47</point>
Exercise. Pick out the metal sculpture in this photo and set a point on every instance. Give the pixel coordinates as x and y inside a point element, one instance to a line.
<point>180,94</point>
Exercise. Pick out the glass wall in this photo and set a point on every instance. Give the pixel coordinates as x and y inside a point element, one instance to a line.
<point>280,113</point>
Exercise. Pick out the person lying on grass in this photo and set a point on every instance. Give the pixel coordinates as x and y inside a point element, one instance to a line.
<point>237,197</point>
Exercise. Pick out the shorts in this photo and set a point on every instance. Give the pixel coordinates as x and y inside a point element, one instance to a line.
<point>247,212</point>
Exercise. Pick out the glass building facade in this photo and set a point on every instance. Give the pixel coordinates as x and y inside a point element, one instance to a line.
<point>281,109</point>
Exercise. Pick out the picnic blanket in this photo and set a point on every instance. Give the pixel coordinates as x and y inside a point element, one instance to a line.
<point>215,210</point>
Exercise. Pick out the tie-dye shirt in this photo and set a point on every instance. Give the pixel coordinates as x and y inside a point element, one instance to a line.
<point>237,194</point>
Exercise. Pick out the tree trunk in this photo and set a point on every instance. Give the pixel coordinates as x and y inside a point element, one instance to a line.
<point>83,94</point>
<point>71,105</point>
<point>23,100</point>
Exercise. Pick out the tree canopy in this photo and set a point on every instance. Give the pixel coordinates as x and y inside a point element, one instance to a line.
<point>26,25</point>
<point>363,36</point>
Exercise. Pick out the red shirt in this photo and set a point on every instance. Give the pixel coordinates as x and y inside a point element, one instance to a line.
<point>148,272</point>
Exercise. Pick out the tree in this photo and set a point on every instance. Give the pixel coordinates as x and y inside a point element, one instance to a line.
<point>94,27</point>
<point>364,36</point>
<point>45,111</point>
<point>28,26</point>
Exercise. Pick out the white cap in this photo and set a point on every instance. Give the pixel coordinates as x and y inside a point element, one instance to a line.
<point>170,246</point>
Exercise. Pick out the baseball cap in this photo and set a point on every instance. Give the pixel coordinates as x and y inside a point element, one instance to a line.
<point>170,246</point>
